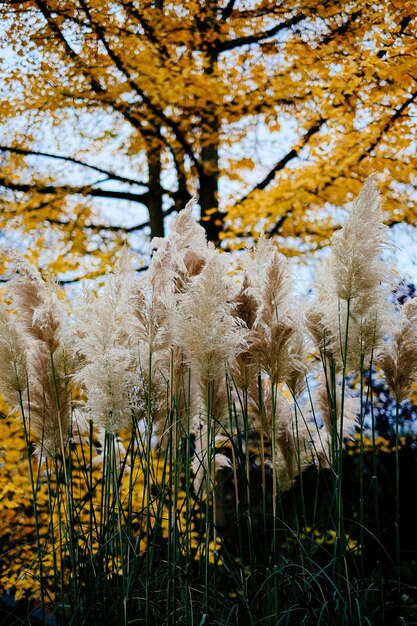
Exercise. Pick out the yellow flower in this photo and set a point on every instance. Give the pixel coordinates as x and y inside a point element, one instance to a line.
<point>330,537</point>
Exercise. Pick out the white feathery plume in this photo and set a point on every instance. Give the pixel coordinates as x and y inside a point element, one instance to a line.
<point>276,337</point>
<point>177,260</point>
<point>205,327</point>
<point>49,398</point>
<point>356,266</point>
<point>355,279</point>
<point>36,300</point>
<point>40,323</point>
<point>186,242</point>
<point>269,280</point>
<point>208,335</point>
<point>13,370</point>
<point>398,357</point>
<point>102,340</point>
<point>243,369</point>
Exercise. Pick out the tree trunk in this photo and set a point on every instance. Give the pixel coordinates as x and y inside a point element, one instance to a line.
<point>155,205</point>
<point>211,218</point>
<point>209,182</point>
<point>153,154</point>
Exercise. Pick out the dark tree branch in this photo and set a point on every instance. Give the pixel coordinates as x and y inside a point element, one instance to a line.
<point>227,11</point>
<point>257,37</point>
<point>96,228</point>
<point>182,195</point>
<point>365,153</point>
<point>397,114</point>
<point>153,108</point>
<point>59,157</point>
<point>111,228</point>
<point>292,154</point>
<point>147,29</point>
<point>72,281</point>
<point>69,189</point>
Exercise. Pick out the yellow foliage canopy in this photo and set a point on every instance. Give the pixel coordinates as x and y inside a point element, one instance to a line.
<point>275,112</point>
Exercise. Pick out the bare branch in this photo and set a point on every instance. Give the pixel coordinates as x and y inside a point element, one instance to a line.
<point>59,157</point>
<point>365,153</point>
<point>227,11</point>
<point>70,189</point>
<point>96,228</point>
<point>153,108</point>
<point>292,154</point>
<point>257,37</point>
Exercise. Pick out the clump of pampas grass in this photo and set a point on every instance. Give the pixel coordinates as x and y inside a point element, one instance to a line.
<point>274,355</point>
<point>39,330</point>
<point>276,335</point>
<point>352,313</point>
<point>349,318</point>
<point>176,346</point>
<point>177,262</point>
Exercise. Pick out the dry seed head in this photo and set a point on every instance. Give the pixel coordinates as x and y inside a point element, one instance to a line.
<point>107,356</point>
<point>268,280</point>
<point>398,357</point>
<point>273,349</point>
<point>242,369</point>
<point>275,336</point>
<point>49,364</point>
<point>206,328</point>
<point>49,400</point>
<point>36,301</point>
<point>13,371</point>
<point>182,252</point>
<point>354,283</point>
<point>296,377</point>
<point>356,266</point>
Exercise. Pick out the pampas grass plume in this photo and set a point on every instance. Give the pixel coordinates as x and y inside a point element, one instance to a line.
<point>275,339</point>
<point>398,357</point>
<point>107,356</point>
<point>353,285</point>
<point>206,328</point>
<point>13,371</point>
<point>39,323</point>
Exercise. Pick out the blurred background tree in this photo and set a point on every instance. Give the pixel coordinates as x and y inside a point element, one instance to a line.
<point>114,112</point>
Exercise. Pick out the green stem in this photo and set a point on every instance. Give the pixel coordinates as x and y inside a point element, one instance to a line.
<point>397,501</point>
<point>35,504</point>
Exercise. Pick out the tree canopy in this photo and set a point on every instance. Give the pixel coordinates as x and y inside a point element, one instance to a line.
<point>115,112</point>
